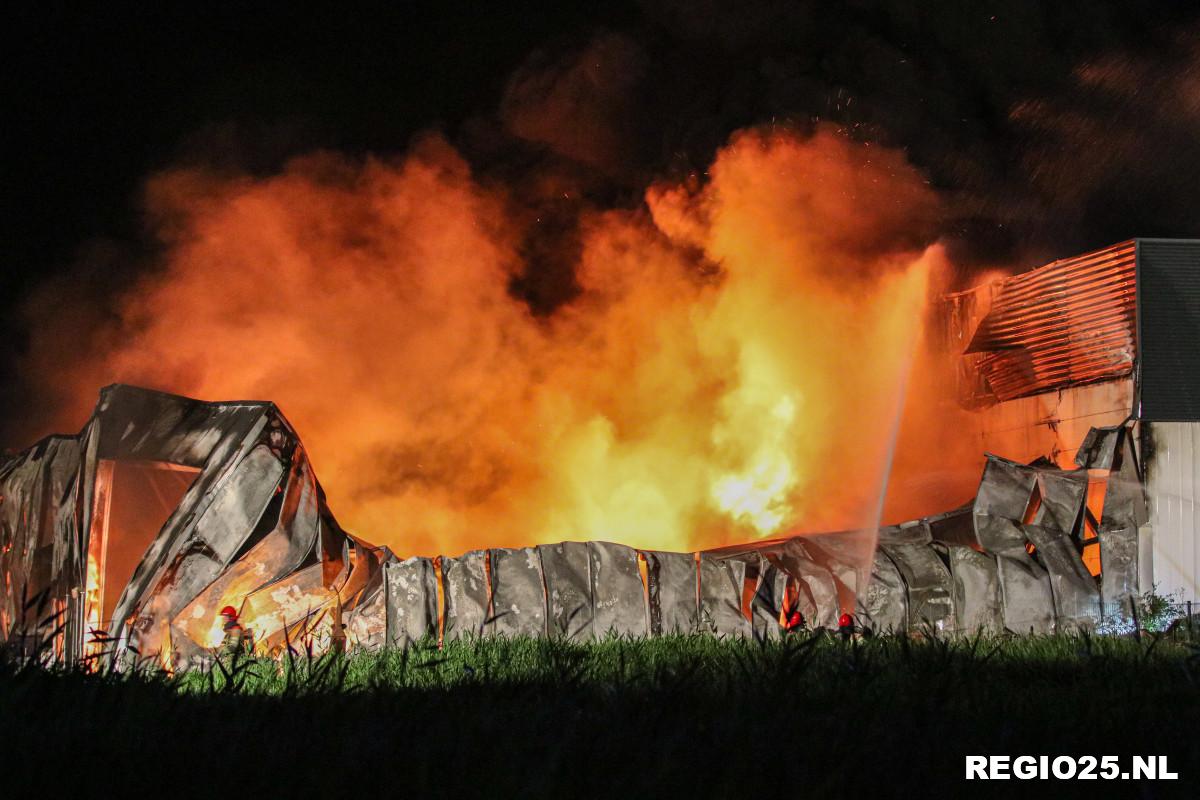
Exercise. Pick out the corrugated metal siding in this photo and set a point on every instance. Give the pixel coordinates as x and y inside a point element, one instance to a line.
<point>1173,492</point>
<point>1168,275</point>
<point>1070,322</point>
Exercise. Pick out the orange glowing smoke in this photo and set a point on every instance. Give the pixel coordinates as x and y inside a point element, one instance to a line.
<point>731,368</point>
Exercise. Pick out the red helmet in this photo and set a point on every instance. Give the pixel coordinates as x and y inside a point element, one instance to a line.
<point>844,621</point>
<point>228,611</point>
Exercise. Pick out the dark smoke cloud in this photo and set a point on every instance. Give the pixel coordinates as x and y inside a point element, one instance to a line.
<point>1003,105</point>
<point>1116,154</point>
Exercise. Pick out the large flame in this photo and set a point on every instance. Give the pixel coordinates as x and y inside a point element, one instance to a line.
<point>92,599</point>
<point>729,368</point>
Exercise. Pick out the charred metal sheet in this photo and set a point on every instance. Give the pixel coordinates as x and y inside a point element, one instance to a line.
<point>618,596</point>
<point>768,601</point>
<point>366,623</point>
<point>140,424</point>
<point>232,512</point>
<point>722,581</point>
<point>978,604</point>
<point>1124,495</point>
<point>40,551</point>
<point>253,531</point>
<point>1069,322</point>
<point>673,592</point>
<point>930,588</point>
<point>1001,536</point>
<point>566,568</point>
<point>1118,570</point>
<point>883,607</point>
<point>954,527</point>
<point>364,572</point>
<point>847,556</point>
<point>1099,448</point>
<point>297,608</point>
<point>518,594</point>
<point>1025,585</point>
<point>412,605</point>
<point>1122,521</point>
<point>914,532</point>
<point>1076,596</point>
<point>817,591</point>
<point>1028,598</point>
<point>465,582</point>
<point>1005,490</point>
<point>259,567</point>
<point>1062,496</point>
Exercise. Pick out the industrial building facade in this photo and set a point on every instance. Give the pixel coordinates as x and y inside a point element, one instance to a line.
<point>1106,339</point>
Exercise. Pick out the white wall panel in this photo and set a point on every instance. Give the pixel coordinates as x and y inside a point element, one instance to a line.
<point>1172,489</point>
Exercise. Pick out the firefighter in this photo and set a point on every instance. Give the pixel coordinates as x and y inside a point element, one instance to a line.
<point>234,642</point>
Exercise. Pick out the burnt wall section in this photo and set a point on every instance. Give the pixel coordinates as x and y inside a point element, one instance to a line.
<point>253,531</point>
<point>1011,560</point>
<point>978,603</point>
<point>42,552</point>
<point>518,593</point>
<point>567,571</point>
<point>722,583</point>
<point>1122,530</point>
<point>618,594</point>
<point>254,499</point>
<point>674,592</point>
<point>411,601</point>
<point>466,595</point>
<point>884,605</point>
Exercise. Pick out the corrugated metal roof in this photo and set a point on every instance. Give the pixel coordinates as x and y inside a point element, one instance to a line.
<point>1069,322</point>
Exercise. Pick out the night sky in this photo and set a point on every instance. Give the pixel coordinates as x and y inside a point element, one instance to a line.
<point>1049,128</point>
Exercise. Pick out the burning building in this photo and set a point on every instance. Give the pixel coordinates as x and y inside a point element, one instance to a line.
<point>1106,341</point>
<point>129,538</point>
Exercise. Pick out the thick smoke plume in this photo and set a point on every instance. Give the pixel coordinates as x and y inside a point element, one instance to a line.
<point>731,366</point>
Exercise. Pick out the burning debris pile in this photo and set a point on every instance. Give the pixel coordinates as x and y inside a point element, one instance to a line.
<point>100,571</point>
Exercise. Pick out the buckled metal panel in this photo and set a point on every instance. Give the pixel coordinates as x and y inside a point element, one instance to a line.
<point>411,589</point>
<point>518,595</point>
<point>566,567</point>
<point>465,582</point>
<point>1069,322</point>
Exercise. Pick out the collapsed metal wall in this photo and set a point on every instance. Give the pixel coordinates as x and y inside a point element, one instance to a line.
<point>1096,340</point>
<point>253,531</point>
<point>1010,560</point>
<point>253,522</point>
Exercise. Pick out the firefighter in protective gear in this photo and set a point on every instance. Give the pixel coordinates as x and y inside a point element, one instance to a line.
<point>235,639</point>
<point>846,627</point>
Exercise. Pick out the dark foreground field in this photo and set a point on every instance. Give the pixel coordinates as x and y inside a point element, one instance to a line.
<point>675,717</point>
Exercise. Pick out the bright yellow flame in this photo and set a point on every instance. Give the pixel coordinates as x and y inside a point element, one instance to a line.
<point>758,494</point>
<point>91,606</point>
<point>166,655</point>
